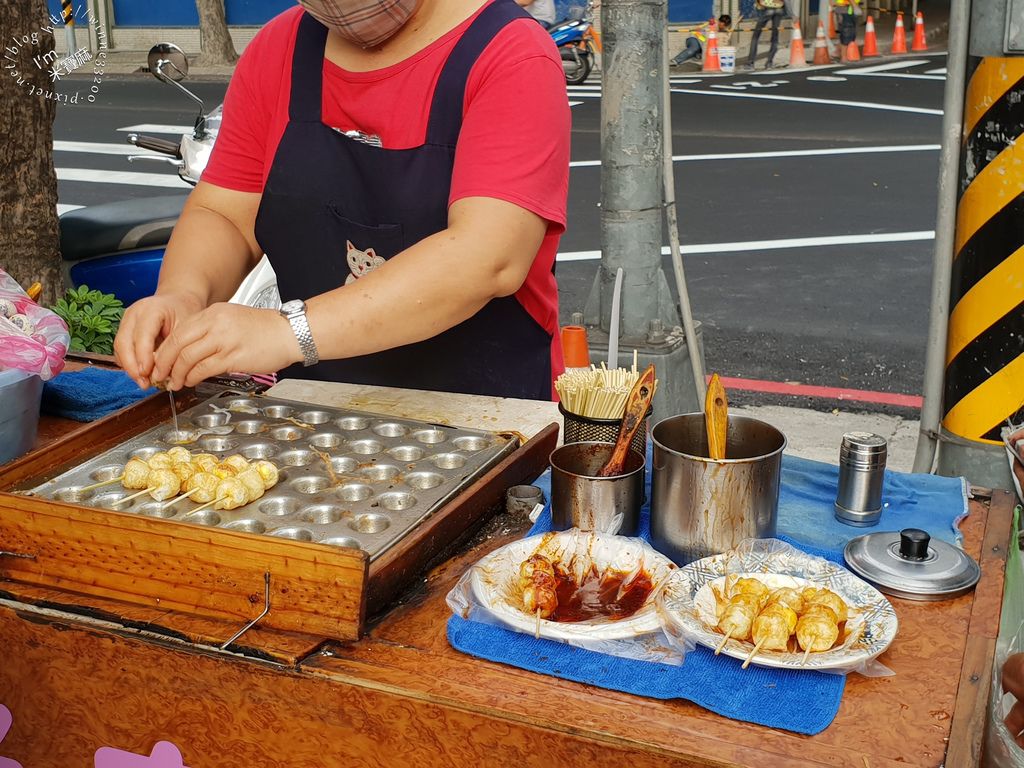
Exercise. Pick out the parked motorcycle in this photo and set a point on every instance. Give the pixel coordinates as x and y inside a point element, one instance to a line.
<point>118,247</point>
<point>577,43</point>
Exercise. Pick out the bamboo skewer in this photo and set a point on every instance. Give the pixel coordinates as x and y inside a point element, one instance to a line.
<point>100,484</point>
<point>807,652</point>
<point>182,497</point>
<point>752,654</point>
<point>536,634</point>
<point>725,640</point>
<point>129,498</point>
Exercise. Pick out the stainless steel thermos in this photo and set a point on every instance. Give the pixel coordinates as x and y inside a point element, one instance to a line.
<point>861,473</point>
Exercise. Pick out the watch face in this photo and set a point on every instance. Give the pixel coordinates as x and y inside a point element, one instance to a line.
<point>295,305</point>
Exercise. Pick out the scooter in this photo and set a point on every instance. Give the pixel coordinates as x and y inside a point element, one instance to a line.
<point>118,247</point>
<point>577,43</point>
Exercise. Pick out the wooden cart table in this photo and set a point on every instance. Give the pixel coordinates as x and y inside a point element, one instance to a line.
<point>82,673</point>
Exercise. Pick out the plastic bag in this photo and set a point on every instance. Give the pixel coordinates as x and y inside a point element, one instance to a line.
<point>627,570</point>
<point>32,339</point>
<point>689,602</point>
<point>1001,751</point>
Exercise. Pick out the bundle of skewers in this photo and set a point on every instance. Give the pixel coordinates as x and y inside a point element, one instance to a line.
<point>597,393</point>
<point>750,611</point>
<point>178,474</point>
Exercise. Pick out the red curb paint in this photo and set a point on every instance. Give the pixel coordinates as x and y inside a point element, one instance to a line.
<point>829,393</point>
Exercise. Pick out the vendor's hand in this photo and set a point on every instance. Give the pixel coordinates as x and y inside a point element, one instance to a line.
<point>1013,682</point>
<point>222,338</point>
<point>145,324</point>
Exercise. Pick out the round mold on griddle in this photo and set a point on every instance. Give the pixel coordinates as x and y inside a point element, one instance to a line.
<point>448,460</point>
<point>471,443</point>
<point>180,436</point>
<point>355,492</point>
<point>430,436</point>
<point>314,417</point>
<point>296,458</point>
<point>143,453</point>
<point>257,451</point>
<point>322,514</point>
<point>380,472</point>
<point>296,534</point>
<point>73,494</point>
<point>156,509</point>
<point>309,484</point>
<point>278,411</point>
<point>326,440</point>
<point>279,506</point>
<point>202,517</point>
<point>406,452</point>
<point>423,481</point>
<point>108,472</point>
<point>366,447</point>
<point>352,423</point>
<point>250,426</point>
<point>208,420</point>
<point>396,501</point>
<point>343,464</point>
<point>215,444</point>
<point>242,404</point>
<point>371,522</point>
<point>390,429</point>
<point>246,525</point>
<point>287,434</point>
<point>342,541</point>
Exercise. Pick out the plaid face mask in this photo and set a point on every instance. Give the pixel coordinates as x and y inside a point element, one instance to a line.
<point>363,22</point>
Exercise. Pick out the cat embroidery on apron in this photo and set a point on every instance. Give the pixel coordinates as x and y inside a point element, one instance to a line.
<point>360,263</point>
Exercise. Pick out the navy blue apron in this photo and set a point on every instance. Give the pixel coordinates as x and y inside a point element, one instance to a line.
<point>329,199</point>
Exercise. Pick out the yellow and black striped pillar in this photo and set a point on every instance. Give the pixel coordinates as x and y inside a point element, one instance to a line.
<point>984,381</point>
<point>67,13</point>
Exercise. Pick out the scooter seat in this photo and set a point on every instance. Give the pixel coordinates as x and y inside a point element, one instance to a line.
<point>101,230</point>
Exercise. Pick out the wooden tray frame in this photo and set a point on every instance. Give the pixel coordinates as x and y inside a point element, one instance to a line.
<point>215,573</point>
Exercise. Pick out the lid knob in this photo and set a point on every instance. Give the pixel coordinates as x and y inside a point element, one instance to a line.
<point>914,544</point>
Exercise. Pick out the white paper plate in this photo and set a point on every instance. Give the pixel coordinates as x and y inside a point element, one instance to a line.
<point>687,605</point>
<point>495,580</point>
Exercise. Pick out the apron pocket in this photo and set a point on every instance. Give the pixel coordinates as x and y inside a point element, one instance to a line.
<point>366,246</point>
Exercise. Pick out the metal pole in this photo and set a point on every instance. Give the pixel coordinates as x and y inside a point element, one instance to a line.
<point>945,224</point>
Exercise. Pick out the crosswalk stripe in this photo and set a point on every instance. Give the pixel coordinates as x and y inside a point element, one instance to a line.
<point>120,177</point>
<point>157,128</point>
<point>96,148</point>
<point>63,208</point>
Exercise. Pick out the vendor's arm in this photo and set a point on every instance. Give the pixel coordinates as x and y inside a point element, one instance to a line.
<point>210,252</point>
<point>486,252</point>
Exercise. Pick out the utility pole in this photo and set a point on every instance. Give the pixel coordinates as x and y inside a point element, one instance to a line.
<point>632,212</point>
<point>975,362</point>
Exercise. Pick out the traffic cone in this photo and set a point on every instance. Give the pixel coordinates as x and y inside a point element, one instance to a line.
<point>797,56</point>
<point>852,52</point>
<point>832,34</point>
<point>822,54</point>
<point>870,40</point>
<point>899,36</point>
<point>919,43</point>
<point>711,62</point>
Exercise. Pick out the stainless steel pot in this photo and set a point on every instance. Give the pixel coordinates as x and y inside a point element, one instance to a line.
<point>701,507</point>
<point>582,500</point>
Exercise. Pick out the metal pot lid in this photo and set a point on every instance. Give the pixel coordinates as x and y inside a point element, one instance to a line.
<point>912,565</point>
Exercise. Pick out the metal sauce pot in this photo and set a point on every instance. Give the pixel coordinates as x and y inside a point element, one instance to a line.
<point>701,507</point>
<point>581,499</point>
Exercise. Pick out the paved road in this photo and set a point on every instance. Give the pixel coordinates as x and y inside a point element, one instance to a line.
<point>807,204</point>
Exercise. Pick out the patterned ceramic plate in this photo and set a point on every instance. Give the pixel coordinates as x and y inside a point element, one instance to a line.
<point>688,604</point>
<point>495,579</point>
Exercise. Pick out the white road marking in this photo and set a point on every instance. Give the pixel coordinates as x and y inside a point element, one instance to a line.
<point>809,100</point>
<point>903,76</point>
<point>575,103</point>
<point>65,207</point>
<point>772,245</point>
<point>882,67</point>
<point>96,148</point>
<point>157,128</point>
<point>940,71</point>
<point>585,94</point>
<point>787,153</point>
<point>827,79</point>
<point>121,177</point>
<point>730,87</point>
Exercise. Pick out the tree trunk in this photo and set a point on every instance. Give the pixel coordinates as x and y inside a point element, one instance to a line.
<point>215,42</point>
<point>29,241</point>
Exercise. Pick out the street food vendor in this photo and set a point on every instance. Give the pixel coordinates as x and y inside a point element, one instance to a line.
<point>404,166</point>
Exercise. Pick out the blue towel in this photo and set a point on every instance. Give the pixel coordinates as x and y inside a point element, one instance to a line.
<point>90,393</point>
<point>800,701</point>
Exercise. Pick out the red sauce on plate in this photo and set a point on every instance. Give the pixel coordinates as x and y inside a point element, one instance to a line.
<point>605,595</point>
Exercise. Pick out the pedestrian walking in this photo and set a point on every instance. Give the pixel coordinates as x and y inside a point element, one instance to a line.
<point>695,42</point>
<point>767,11</point>
<point>846,13</point>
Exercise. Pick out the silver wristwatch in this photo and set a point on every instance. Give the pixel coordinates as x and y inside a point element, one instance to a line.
<point>295,312</point>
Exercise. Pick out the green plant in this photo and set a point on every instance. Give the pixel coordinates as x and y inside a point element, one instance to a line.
<point>92,318</point>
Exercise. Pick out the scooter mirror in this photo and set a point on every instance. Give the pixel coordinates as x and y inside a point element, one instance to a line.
<point>166,60</point>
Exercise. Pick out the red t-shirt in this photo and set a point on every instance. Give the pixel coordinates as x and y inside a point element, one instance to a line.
<point>514,142</point>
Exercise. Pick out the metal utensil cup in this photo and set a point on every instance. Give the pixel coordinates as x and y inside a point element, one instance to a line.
<point>582,500</point>
<point>862,458</point>
<point>701,507</point>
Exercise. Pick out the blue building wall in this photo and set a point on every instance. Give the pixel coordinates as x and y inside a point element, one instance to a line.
<point>182,13</point>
